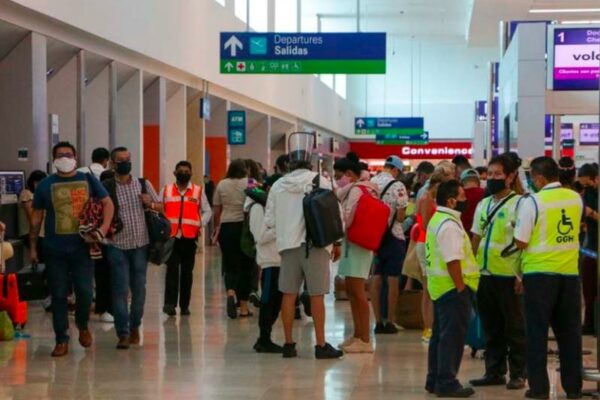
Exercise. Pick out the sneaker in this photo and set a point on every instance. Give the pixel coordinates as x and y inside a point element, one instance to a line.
<point>169,310</point>
<point>231,307</point>
<point>254,299</point>
<point>359,346</point>
<point>390,328</point>
<point>489,381</point>
<point>289,350</point>
<point>327,352</point>
<point>305,300</point>
<point>267,346</point>
<point>379,328</point>
<point>348,342</point>
<point>458,393</point>
<point>426,335</point>
<point>515,384</point>
<point>106,317</point>
<point>134,337</point>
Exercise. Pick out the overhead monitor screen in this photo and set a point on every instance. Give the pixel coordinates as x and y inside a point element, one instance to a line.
<point>576,58</point>
<point>11,184</point>
<point>588,134</point>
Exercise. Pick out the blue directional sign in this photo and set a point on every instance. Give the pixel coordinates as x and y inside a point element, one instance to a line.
<point>236,127</point>
<point>393,130</point>
<point>302,53</point>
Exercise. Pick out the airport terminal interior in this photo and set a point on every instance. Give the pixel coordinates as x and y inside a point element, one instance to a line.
<point>180,213</point>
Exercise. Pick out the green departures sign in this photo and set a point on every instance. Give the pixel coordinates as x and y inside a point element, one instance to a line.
<point>302,53</point>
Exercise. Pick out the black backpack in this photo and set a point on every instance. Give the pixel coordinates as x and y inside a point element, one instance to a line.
<point>322,217</point>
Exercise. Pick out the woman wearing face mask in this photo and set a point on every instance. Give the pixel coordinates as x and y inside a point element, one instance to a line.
<point>499,296</point>
<point>355,263</point>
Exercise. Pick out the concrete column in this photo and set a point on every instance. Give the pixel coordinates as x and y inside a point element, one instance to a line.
<point>112,103</point>
<point>80,110</point>
<point>195,140</point>
<point>62,100</point>
<point>97,115</point>
<point>128,120</point>
<point>24,117</point>
<point>258,143</point>
<point>175,135</point>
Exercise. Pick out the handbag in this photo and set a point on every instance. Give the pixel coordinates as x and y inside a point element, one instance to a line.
<point>411,267</point>
<point>32,284</point>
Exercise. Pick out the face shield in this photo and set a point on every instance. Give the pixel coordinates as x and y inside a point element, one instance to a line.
<point>300,145</point>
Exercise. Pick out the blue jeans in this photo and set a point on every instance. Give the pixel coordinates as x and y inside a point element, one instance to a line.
<point>65,267</point>
<point>451,317</point>
<point>128,271</point>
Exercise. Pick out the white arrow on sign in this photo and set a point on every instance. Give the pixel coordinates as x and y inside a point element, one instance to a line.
<point>424,136</point>
<point>233,43</point>
<point>229,67</point>
<point>360,123</point>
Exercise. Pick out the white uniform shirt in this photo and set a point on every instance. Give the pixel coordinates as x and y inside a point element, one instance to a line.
<point>526,216</point>
<point>95,169</point>
<point>451,237</point>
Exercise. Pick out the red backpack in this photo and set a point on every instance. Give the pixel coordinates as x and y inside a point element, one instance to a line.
<point>370,222</point>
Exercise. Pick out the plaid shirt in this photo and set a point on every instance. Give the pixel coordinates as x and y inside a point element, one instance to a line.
<point>131,212</point>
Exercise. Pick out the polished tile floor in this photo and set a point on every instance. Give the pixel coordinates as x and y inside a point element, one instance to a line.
<point>207,356</point>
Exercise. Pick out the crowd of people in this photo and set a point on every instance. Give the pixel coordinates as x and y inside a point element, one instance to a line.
<point>501,242</point>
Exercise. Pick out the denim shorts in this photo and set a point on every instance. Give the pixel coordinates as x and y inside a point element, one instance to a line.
<point>390,257</point>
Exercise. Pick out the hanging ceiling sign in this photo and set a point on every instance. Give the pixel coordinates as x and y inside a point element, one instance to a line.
<point>302,53</point>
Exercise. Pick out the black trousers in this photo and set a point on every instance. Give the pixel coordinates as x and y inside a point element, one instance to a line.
<point>452,313</point>
<point>503,318</point>
<point>103,285</point>
<point>553,300</point>
<point>237,267</point>
<point>270,301</point>
<point>180,276</point>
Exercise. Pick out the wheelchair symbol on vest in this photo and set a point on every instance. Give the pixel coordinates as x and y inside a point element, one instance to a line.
<point>565,225</point>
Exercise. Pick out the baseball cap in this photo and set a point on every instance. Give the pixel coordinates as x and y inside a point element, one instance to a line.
<point>469,173</point>
<point>394,161</point>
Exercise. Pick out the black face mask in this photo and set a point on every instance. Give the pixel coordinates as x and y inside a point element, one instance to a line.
<point>183,177</point>
<point>123,168</point>
<point>495,185</point>
<point>461,206</point>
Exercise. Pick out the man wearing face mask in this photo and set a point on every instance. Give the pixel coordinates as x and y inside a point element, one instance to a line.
<point>499,297</point>
<point>547,231</point>
<point>452,280</point>
<point>61,197</point>
<point>188,210</point>
<point>128,251</point>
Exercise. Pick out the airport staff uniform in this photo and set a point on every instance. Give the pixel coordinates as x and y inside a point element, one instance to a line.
<point>448,241</point>
<point>549,222</point>
<point>500,308</point>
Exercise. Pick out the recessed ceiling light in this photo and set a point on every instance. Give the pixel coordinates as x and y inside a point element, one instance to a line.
<point>563,10</point>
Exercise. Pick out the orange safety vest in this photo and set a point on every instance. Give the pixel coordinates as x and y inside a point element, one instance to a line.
<point>183,211</point>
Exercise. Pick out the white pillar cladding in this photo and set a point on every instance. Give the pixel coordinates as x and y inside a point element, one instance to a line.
<point>522,91</point>
<point>129,118</point>
<point>155,112</point>
<point>258,142</point>
<point>97,118</point>
<point>24,118</point>
<point>112,103</point>
<point>174,137</point>
<point>195,140</point>
<point>62,100</point>
<point>80,106</point>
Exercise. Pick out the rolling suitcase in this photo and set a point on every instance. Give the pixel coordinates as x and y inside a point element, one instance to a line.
<point>9,293</point>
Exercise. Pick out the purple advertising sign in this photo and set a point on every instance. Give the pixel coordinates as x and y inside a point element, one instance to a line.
<point>588,134</point>
<point>566,132</point>
<point>576,59</point>
<point>481,110</point>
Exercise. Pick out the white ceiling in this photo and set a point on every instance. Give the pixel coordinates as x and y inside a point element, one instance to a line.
<point>475,22</point>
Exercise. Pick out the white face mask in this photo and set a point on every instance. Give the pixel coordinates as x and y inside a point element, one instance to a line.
<point>65,165</point>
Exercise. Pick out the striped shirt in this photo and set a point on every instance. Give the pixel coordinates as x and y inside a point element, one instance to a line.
<point>131,212</point>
